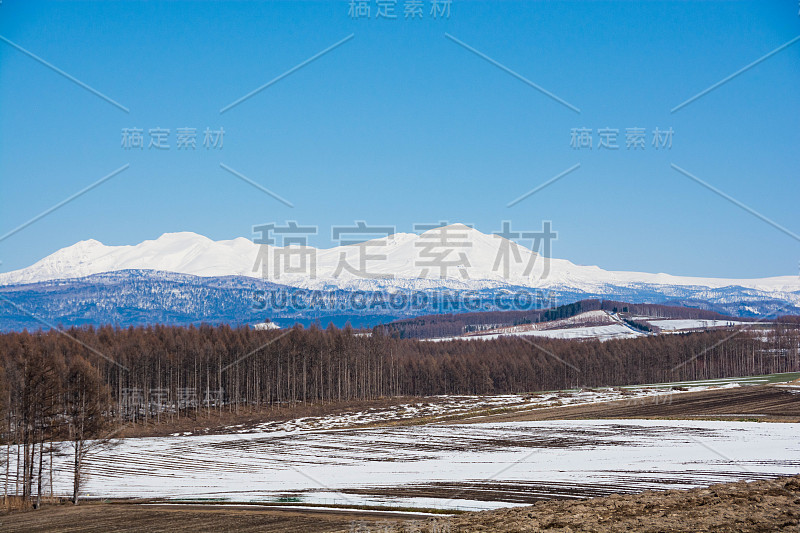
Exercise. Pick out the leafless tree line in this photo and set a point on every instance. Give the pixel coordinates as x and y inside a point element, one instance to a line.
<point>64,393</point>
<point>53,401</point>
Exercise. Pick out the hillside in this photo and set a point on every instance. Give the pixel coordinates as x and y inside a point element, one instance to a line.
<point>590,312</point>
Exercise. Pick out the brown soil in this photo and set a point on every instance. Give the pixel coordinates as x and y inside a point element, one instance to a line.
<point>763,403</point>
<point>759,506</point>
<point>772,505</point>
<point>127,517</point>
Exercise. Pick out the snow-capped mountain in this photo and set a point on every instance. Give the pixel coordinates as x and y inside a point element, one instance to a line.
<point>185,278</point>
<point>455,256</point>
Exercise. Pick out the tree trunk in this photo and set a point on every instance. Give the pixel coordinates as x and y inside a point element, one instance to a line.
<point>39,476</point>
<point>76,473</point>
<point>51,472</point>
<point>8,465</point>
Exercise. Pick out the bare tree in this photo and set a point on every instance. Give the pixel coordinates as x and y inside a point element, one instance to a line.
<point>37,404</point>
<point>87,400</point>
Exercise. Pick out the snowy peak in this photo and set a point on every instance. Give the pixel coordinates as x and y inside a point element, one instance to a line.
<point>182,252</point>
<point>454,256</point>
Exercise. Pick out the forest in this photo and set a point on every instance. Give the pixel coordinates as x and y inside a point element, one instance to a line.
<point>79,385</point>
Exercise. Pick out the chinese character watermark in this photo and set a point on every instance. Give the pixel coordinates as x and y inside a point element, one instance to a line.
<point>440,251</point>
<point>607,138</point>
<point>508,250</point>
<point>357,245</point>
<point>432,525</point>
<point>132,138</point>
<point>662,139</point>
<point>292,256</point>
<point>159,138</point>
<point>581,138</point>
<point>441,248</point>
<point>655,399</point>
<point>390,10</point>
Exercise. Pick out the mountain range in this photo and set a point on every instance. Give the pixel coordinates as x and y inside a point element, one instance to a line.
<point>185,278</point>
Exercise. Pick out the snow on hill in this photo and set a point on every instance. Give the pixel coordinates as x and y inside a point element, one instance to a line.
<point>474,261</point>
<point>596,324</point>
<point>587,318</point>
<point>264,326</point>
<point>695,323</point>
<point>602,333</point>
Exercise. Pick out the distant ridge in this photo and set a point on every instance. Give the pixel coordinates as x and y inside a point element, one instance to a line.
<point>403,265</point>
<point>185,278</point>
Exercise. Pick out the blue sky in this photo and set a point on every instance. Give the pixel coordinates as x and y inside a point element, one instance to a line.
<point>402,125</point>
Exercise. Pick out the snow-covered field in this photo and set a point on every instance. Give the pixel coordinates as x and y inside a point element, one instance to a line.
<point>472,466</point>
<point>600,325</point>
<point>686,324</point>
<point>603,333</point>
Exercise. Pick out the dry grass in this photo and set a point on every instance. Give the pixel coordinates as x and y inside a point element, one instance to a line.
<point>771,505</point>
